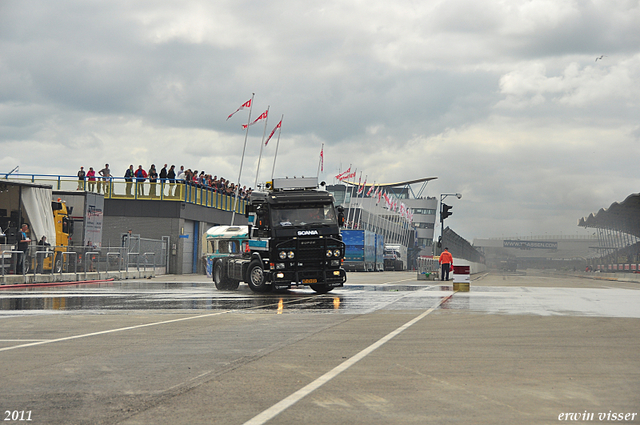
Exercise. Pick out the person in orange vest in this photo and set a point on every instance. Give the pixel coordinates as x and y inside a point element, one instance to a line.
<point>446,261</point>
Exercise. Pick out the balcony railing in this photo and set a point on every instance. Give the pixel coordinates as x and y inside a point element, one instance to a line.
<point>119,188</point>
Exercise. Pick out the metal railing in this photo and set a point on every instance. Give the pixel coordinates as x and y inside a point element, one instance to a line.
<point>119,188</point>
<point>81,261</point>
<point>13,264</point>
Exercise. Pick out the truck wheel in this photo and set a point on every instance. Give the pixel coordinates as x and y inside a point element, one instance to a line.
<point>222,283</point>
<point>321,288</point>
<point>256,278</point>
<point>233,285</point>
<point>57,263</point>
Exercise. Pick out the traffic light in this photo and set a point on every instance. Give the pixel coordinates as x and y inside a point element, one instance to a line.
<point>445,211</point>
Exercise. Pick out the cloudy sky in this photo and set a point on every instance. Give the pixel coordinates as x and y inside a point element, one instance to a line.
<point>502,101</point>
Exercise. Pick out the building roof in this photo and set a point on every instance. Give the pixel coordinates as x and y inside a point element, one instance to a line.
<point>622,216</point>
<point>404,183</point>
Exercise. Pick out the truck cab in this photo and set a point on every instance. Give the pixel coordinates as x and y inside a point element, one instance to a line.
<point>394,256</point>
<point>294,239</point>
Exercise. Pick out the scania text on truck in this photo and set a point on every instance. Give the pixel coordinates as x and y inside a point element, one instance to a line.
<point>293,239</point>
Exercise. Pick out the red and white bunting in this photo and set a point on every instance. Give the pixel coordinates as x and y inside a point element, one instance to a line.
<point>342,176</point>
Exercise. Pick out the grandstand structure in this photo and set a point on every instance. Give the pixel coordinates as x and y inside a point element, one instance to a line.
<point>367,212</point>
<point>618,235</point>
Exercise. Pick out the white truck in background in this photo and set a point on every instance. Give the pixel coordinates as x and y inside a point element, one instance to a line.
<point>395,257</point>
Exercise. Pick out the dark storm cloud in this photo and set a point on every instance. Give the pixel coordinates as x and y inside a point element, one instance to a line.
<point>501,100</point>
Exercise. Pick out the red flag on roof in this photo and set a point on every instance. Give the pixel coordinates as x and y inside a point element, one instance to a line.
<point>344,175</point>
<point>361,189</point>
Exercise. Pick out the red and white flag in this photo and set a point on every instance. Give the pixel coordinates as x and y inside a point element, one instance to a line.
<point>322,159</point>
<point>246,104</point>
<point>262,116</point>
<point>273,132</point>
<point>343,175</point>
<point>363,186</point>
<point>371,189</point>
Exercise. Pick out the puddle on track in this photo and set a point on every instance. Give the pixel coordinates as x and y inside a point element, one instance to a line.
<point>353,299</point>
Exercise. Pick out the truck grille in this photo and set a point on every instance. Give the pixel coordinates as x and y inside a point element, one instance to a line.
<point>311,251</point>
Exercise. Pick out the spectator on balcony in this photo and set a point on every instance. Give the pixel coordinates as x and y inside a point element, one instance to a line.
<point>81,176</point>
<point>91,178</point>
<point>141,176</point>
<point>153,178</point>
<point>163,174</point>
<point>171,176</point>
<point>106,179</point>
<point>128,177</point>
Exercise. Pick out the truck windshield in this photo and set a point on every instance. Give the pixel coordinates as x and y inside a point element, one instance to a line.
<point>304,215</point>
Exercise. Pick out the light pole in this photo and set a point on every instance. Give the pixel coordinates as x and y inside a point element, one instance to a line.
<point>444,213</point>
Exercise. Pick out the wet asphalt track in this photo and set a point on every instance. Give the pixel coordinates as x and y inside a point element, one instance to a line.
<point>520,348</point>
<point>364,293</point>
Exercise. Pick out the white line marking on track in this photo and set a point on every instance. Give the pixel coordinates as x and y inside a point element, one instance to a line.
<point>21,340</point>
<point>284,404</point>
<point>128,328</point>
<point>108,331</point>
<point>397,281</point>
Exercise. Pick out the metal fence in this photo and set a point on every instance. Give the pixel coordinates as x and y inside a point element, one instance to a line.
<point>135,253</point>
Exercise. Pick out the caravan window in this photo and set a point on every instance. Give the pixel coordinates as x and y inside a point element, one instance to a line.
<point>228,247</point>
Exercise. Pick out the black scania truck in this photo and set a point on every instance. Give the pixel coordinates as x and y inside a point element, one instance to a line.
<point>294,239</point>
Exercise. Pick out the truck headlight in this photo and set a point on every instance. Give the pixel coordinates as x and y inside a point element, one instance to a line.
<point>336,252</point>
<point>335,263</point>
<point>279,266</point>
<point>291,255</point>
<point>329,253</point>
<point>282,255</point>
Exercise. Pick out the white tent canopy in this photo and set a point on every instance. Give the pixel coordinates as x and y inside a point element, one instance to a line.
<point>37,208</point>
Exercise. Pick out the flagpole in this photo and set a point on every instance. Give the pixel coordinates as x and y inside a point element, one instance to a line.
<point>246,135</point>
<point>351,207</point>
<point>374,206</point>
<point>275,156</point>
<point>319,161</point>
<point>362,203</point>
<point>264,133</point>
